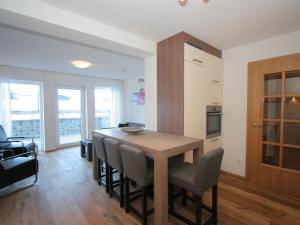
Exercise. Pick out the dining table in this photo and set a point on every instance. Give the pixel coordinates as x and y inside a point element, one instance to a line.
<point>160,147</point>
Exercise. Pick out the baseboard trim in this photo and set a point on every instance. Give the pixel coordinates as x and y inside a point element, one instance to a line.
<point>233,175</point>
<point>62,147</point>
<point>51,150</point>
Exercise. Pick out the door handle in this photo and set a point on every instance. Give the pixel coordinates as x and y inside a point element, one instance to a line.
<point>197,60</point>
<point>214,140</point>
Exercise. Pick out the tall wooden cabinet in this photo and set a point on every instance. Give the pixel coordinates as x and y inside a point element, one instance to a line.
<point>189,78</point>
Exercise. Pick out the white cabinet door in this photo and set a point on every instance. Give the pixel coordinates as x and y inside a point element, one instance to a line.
<point>194,103</point>
<point>194,100</point>
<point>195,55</point>
<point>213,63</point>
<point>212,143</point>
<point>215,69</point>
<point>213,93</point>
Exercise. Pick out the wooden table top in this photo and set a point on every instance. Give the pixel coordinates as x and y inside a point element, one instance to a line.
<point>152,141</point>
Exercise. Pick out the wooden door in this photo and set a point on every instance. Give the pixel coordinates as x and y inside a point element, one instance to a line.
<point>273,129</point>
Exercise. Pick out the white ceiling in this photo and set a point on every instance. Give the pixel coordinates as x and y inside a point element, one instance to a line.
<point>222,23</point>
<point>30,50</point>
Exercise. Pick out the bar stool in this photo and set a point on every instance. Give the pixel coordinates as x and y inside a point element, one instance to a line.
<point>197,179</point>
<point>139,170</point>
<point>115,162</point>
<point>101,159</point>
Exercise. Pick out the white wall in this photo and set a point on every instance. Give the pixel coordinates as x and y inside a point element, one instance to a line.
<point>50,81</point>
<point>151,92</point>
<point>48,19</point>
<point>235,66</point>
<point>133,112</point>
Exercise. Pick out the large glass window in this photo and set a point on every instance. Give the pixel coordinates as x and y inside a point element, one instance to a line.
<point>69,115</point>
<point>104,107</point>
<point>25,111</point>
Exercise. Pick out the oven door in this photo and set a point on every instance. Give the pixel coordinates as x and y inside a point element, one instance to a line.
<point>213,124</point>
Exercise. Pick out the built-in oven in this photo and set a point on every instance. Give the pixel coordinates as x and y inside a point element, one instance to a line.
<point>213,121</point>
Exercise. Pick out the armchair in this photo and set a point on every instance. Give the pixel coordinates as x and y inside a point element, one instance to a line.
<point>15,145</point>
<point>16,168</point>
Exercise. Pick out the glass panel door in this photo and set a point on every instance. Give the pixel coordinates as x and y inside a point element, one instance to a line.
<point>291,121</point>
<point>281,120</point>
<point>69,115</point>
<point>273,124</point>
<point>271,119</point>
<point>26,111</point>
<point>104,107</point>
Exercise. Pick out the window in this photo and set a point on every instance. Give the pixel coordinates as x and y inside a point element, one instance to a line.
<point>69,115</point>
<point>25,111</point>
<point>104,107</point>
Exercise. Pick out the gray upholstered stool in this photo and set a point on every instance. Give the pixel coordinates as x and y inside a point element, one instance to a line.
<point>197,179</point>
<point>114,162</point>
<point>101,159</point>
<point>137,169</point>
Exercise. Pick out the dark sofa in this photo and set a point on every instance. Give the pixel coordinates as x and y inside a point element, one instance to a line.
<point>18,167</point>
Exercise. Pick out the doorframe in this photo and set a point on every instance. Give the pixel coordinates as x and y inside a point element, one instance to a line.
<point>282,175</point>
<point>83,114</point>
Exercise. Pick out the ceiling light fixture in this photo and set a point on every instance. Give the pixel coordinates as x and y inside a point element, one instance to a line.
<point>81,64</point>
<point>183,2</point>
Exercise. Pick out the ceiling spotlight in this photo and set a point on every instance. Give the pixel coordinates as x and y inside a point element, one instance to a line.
<point>182,2</point>
<point>81,64</point>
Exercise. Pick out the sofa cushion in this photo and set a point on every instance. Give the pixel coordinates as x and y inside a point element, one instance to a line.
<point>16,162</point>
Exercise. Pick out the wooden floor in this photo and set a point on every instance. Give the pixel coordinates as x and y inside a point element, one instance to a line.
<point>66,194</point>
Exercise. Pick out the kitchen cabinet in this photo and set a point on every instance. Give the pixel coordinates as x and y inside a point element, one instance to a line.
<point>210,71</point>
<point>201,58</point>
<point>213,94</point>
<point>194,100</point>
<point>189,77</point>
<point>212,143</point>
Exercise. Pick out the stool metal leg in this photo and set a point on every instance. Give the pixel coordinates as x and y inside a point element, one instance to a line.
<point>107,178</point>
<point>99,170</point>
<point>110,181</point>
<point>198,210</point>
<point>121,190</point>
<point>127,191</point>
<point>215,204</point>
<point>171,198</point>
<point>184,196</point>
<point>144,203</point>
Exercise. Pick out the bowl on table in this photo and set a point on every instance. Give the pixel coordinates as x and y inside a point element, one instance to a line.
<point>132,130</point>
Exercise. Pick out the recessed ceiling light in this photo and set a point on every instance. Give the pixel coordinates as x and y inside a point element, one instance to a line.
<point>81,64</point>
<point>183,2</point>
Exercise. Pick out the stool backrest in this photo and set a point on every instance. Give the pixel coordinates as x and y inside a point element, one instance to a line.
<point>99,146</point>
<point>135,164</point>
<point>113,154</point>
<point>208,170</point>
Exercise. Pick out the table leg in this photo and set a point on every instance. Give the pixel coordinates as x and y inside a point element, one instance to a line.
<point>196,155</point>
<point>160,189</point>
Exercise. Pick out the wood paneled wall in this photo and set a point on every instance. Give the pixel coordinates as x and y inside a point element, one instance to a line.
<point>170,80</point>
